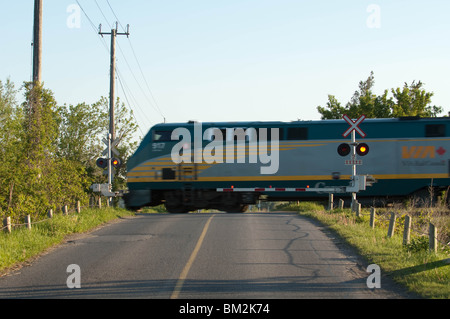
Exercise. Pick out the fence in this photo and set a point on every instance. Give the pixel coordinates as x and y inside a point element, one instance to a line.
<point>8,225</point>
<point>432,229</point>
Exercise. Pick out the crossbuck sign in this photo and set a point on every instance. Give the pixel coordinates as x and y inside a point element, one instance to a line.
<point>354,126</point>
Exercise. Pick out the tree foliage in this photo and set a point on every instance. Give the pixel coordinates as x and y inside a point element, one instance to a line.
<point>410,100</point>
<point>49,151</point>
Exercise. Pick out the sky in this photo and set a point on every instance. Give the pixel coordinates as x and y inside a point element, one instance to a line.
<point>230,60</point>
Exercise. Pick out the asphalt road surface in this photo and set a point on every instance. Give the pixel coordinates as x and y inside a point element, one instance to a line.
<point>201,256</point>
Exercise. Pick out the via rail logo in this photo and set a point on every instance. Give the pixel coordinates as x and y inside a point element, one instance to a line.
<point>233,151</point>
<point>420,152</point>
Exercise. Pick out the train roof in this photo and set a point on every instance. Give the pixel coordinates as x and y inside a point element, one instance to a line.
<point>300,122</point>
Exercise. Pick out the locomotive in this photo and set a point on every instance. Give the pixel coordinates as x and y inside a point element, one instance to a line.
<point>182,165</point>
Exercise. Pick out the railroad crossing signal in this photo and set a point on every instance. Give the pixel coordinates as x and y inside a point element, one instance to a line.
<point>103,162</point>
<point>362,149</point>
<point>354,126</point>
<point>113,147</point>
<point>115,161</point>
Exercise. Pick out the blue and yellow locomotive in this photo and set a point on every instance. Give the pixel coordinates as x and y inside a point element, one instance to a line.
<point>183,164</point>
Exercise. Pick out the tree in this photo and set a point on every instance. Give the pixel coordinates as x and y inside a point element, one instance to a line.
<point>48,151</point>
<point>11,150</point>
<point>412,100</point>
<point>38,168</point>
<point>333,110</point>
<point>82,129</point>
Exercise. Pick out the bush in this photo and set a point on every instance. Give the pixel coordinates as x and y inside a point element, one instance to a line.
<point>418,244</point>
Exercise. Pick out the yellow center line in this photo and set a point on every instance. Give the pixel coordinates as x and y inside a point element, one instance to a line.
<point>187,267</point>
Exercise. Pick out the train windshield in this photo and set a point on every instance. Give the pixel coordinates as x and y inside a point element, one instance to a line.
<point>162,136</point>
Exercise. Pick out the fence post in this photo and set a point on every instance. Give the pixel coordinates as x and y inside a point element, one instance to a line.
<point>28,221</point>
<point>330,201</point>
<point>65,210</point>
<point>391,225</point>
<point>341,204</point>
<point>7,225</point>
<point>78,207</point>
<point>407,230</point>
<point>372,217</point>
<point>433,238</point>
<point>358,209</point>
<point>50,213</point>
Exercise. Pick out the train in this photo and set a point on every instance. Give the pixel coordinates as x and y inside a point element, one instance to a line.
<point>183,165</point>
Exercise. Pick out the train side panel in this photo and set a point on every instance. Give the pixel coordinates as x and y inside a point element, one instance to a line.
<point>406,157</point>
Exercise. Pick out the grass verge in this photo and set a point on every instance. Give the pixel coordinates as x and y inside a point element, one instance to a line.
<point>22,244</point>
<point>413,266</point>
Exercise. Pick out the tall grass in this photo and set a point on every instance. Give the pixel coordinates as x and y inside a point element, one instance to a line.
<point>22,244</point>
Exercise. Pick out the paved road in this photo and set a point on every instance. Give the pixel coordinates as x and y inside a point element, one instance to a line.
<point>262,255</point>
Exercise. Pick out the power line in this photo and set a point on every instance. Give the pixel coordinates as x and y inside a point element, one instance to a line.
<point>93,27</point>
<point>157,108</point>
<point>154,103</point>
<point>126,98</point>
<point>101,11</point>
<point>103,42</point>
<point>135,102</point>
<point>120,77</point>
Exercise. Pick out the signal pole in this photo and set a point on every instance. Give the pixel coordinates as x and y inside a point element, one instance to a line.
<point>112,135</point>
<point>37,42</point>
<point>354,144</point>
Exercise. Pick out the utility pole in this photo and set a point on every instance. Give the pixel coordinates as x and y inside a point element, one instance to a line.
<point>37,42</point>
<point>112,135</point>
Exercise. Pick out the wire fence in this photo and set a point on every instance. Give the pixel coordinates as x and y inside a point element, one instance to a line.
<point>8,225</point>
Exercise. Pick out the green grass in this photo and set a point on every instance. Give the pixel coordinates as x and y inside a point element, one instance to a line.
<point>413,266</point>
<point>22,244</point>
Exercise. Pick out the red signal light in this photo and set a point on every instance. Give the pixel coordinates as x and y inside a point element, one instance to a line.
<point>102,162</point>
<point>344,149</point>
